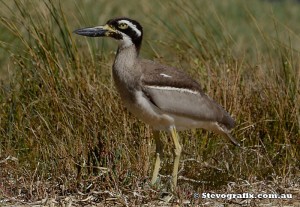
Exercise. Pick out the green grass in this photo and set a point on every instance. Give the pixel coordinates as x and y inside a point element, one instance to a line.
<point>61,117</point>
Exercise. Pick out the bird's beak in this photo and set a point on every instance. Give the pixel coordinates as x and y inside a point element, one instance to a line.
<point>99,31</point>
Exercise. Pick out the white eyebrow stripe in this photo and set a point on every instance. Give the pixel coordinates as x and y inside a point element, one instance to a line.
<point>132,26</point>
<point>165,75</point>
<point>168,88</point>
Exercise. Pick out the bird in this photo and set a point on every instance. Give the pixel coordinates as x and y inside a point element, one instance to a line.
<point>164,97</point>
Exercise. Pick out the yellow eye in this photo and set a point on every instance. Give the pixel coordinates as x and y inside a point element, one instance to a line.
<point>123,26</point>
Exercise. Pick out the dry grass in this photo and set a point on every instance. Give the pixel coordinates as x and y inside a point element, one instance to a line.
<point>65,138</point>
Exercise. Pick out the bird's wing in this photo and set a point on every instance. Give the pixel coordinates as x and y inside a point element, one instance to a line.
<point>175,92</point>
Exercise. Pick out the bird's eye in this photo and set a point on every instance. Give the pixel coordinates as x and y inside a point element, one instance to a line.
<point>123,26</point>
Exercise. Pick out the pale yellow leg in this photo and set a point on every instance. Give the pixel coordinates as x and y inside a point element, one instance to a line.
<point>177,152</point>
<point>159,154</point>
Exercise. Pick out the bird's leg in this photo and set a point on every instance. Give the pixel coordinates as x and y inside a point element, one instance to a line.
<point>159,154</point>
<point>177,152</point>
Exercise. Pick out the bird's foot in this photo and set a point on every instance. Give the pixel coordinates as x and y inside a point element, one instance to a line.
<point>166,196</point>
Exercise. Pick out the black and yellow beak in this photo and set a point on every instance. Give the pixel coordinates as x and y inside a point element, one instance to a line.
<point>99,31</point>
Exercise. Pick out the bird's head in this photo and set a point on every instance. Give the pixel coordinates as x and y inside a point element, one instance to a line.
<point>127,31</point>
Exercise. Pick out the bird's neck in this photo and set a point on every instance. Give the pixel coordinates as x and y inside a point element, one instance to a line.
<point>125,72</point>
<point>124,69</point>
<point>131,44</point>
<point>126,56</point>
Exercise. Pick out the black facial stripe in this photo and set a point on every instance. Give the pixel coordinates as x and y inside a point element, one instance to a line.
<point>136,39</point>
<point>130,32</point>
<point>117,36</point>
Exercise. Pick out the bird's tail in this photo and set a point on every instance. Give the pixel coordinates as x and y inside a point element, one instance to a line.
<point>223,130</point>
<point>232,139</point>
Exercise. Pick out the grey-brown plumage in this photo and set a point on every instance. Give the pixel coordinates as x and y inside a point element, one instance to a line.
<point>205,109</point>
<point>162,96</point>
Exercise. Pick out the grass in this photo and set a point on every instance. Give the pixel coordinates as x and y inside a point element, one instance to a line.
<point>64,130</point>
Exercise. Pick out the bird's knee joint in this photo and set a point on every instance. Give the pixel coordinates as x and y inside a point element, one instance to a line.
<point>157,155</point>
<point>178,150</point>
